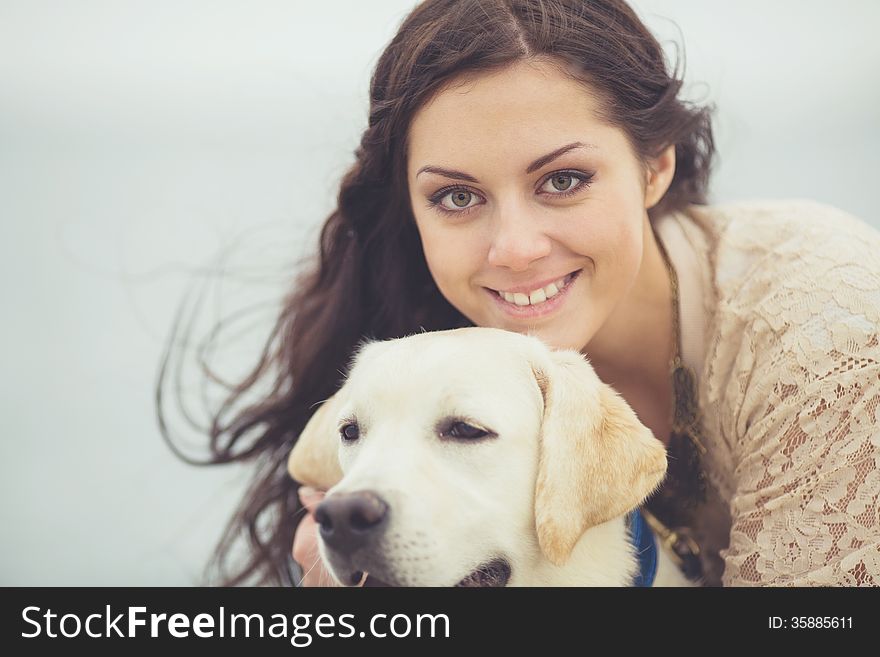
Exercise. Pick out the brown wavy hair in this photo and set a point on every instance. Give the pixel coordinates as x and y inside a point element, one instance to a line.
<point>369,279</point>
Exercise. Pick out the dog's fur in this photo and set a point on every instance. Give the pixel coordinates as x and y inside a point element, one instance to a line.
<point>546,491</point>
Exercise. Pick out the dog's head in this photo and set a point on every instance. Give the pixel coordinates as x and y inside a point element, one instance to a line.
<point>469,457</point>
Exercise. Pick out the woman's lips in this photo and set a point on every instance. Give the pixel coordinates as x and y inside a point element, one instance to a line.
<point>540,309</point>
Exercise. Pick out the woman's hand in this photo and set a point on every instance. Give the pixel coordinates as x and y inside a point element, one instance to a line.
<point>305,543</point>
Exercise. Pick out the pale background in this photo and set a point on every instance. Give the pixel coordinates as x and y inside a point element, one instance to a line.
<point>146,145</point>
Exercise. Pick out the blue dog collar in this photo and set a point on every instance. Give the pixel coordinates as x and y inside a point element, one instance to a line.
<point>646,548</point>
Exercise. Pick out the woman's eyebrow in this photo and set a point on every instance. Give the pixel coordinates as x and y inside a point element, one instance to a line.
<point>534,166</point>
<point>559,152</point>
<point>447,173</point>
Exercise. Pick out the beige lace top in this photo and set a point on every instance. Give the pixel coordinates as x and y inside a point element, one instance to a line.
<point>780,308</point>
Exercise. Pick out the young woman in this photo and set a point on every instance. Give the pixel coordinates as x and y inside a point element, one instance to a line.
<point>529,166</point>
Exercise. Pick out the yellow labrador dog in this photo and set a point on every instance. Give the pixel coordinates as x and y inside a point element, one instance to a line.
<point>479,457</point>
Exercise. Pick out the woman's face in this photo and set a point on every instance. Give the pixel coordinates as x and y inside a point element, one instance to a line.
<point>531,210</point>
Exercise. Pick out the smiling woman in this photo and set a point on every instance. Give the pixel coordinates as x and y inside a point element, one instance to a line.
<point>530,166</point>
<point>507,229</point>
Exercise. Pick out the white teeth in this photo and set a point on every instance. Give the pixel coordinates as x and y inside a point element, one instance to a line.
<point>538,296</point>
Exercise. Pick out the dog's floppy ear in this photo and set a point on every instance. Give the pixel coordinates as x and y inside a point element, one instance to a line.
<point>314,459</point>
<point>597,461</point>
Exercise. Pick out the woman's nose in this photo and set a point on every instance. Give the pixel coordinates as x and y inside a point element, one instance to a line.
<point>518,239</point>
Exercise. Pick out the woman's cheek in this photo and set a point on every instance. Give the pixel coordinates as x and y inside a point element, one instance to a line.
<point>443,267</point>
<point>449,254</point>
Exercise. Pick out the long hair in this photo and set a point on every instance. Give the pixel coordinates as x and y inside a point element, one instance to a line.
<point>369,279</point>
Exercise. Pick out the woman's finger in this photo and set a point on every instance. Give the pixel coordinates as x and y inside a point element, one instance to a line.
<point>310,497</point>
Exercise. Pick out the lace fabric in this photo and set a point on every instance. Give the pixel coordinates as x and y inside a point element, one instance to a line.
<point>789,393</point>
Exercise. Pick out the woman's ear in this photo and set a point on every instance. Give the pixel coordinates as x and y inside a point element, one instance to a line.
<point>661,170</point>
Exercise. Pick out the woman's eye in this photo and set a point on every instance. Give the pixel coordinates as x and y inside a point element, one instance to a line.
<point>465,431</point>
<point>562,183</point>
<point>461,199</point>
<point>455,200</point>
<point>349,433</point>
<point>559,184</point>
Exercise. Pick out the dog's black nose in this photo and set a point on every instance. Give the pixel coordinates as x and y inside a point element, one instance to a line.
<point>349,520</point>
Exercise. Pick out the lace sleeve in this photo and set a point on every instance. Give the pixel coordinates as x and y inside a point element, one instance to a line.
<point>805,509</point>
<point>806,404</point>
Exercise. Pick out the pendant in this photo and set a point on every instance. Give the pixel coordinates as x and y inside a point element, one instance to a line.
<point>686,418</point>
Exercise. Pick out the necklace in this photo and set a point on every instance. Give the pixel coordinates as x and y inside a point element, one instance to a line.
<point>685,410</point>
<point>671,508</point>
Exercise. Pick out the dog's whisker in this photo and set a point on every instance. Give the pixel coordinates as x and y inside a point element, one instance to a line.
<point>320,401</point>
<point>306,574</point>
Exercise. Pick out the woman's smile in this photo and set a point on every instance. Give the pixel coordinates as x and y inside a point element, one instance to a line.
<point>539,302</point>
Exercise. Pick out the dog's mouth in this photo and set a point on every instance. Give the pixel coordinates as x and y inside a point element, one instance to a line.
<point>495,573</point>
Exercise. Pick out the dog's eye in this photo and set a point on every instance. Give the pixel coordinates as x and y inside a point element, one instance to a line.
<point>350,432</point>
<point>465,431</point>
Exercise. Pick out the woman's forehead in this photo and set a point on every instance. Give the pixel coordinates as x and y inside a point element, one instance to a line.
<point>526,109</point>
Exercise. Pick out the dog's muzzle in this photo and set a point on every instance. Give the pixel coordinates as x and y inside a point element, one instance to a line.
<point>351,521</point>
